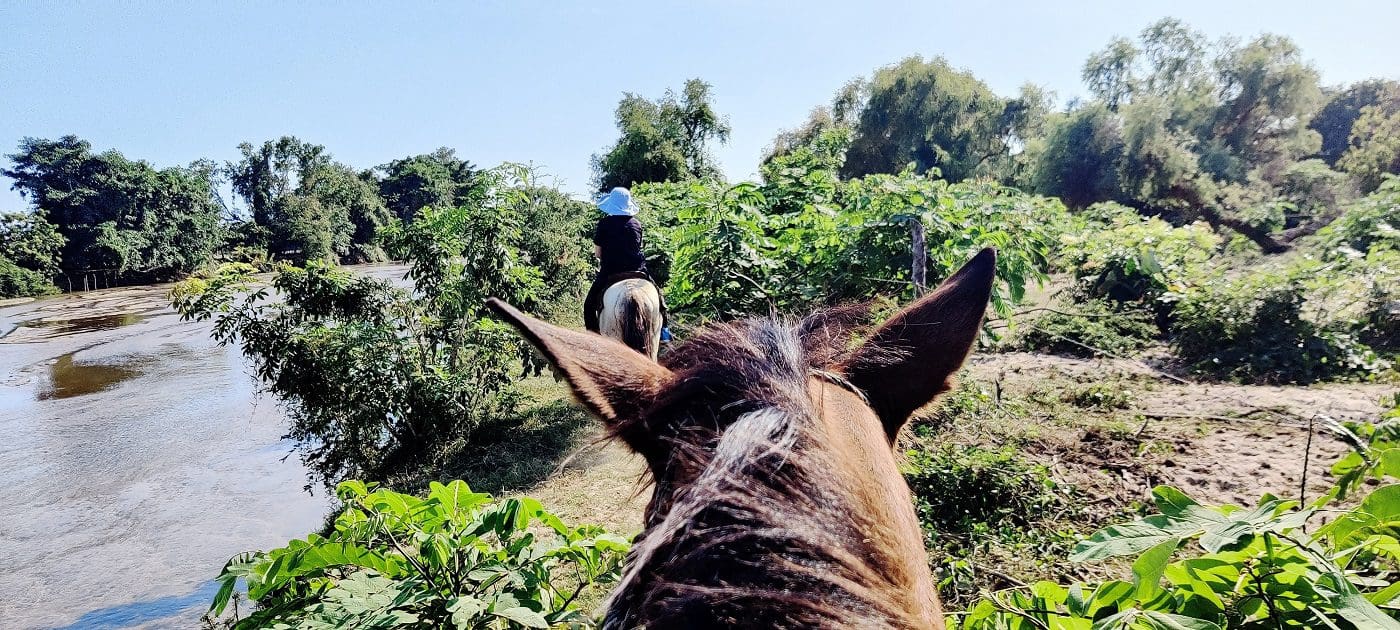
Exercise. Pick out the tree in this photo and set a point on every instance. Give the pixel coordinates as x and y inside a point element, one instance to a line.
<point>1335,120</point>
<point>432,180</point>
<point>1081,156</point>
<point>123,217</point>
<point>32,242</point>
<point>663,140</point>
<point>306,206</point>
<point>930,115</point>
<point>1192,130</point>
<point>378,380</point>
<point>1108,73</point>
<point>1374,146</point>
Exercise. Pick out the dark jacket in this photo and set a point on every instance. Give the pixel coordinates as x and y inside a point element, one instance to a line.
<point>620,238</point>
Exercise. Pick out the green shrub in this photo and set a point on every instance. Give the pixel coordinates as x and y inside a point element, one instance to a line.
<point>16,281</point>
<point>1125,257</point>
<point>1246,568</point>
<point>1091,329</point>
<point>1377,322</point>
<point>1255,328</point>
<point>1371,223</point>
<point>805,239</point>
<point>378,380</point>
<point>981,507</point>
<point>452,559</point>
<point>956,487</point>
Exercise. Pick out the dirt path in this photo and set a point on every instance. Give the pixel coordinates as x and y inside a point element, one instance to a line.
<point>1223,443</point>
<point>1220,459</point>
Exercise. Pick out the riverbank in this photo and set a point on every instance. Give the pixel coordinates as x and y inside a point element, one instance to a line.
<point>138,457</point>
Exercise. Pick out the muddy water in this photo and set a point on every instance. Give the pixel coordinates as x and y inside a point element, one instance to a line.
<point>135,458</point>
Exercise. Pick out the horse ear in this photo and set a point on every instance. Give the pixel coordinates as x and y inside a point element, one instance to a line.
<point>911,357</point>
<point>613,381</point>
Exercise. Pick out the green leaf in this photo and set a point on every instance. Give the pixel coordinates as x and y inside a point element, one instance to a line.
<point>1132,538</point>
<point>465,610</point>
<point>523,616</point>
<point>1134,619</point>
<point>1377,510</point>
<point>1148,568</point>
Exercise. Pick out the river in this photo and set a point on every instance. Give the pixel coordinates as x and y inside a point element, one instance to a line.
<point>136,457</point>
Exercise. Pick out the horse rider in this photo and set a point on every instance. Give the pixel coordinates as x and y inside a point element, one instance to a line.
<point>617,243</point>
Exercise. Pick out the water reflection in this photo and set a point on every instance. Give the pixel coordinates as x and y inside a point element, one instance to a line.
<point>62,327</point>
<point>68,378</point>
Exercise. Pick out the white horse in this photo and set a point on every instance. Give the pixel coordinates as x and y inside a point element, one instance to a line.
<point>632,315</point>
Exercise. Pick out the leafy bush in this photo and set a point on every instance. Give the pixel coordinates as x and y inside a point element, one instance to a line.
<point>455,559</point>
<point>16,281</point>
<point>976,503</point>
<point>955,487</point>
<point>1092,328</point>
<point>1256,568</point>
<point>1255,328</point>
<point>376,379</point>
<point>1373,222</point>
<point>1125,257</point>
<point>805,239</point>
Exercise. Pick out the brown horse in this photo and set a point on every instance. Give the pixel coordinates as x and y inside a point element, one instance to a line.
<point>778,502</point>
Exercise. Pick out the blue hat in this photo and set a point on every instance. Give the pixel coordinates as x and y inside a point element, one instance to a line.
<point>618,203</point>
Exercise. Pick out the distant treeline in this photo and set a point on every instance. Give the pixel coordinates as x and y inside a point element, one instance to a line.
<point>1241,135</point>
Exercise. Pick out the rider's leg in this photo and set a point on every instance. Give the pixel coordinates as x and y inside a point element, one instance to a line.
<point>594,303</point>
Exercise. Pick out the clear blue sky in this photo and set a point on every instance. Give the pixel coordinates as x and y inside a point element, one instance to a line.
<point>537,81</point>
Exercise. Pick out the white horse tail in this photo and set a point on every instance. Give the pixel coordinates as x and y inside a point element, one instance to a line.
<point>632,315</point>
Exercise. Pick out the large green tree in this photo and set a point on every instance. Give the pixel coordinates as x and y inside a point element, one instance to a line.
<point>1335,120</point>
<point>306,206</point>
<point>432,180</point>
<point>663,140</point>
<point>131,221</point>
<point>931,115</point>
<point>1196,129</point>
<point>1373,148</point>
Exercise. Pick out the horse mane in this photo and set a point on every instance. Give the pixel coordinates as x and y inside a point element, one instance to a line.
<point>758,532</point>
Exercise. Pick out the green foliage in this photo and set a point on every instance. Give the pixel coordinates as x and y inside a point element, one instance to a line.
<point>1337,117</point>
<point>666,140</point>
<point>1254,327</point>
<point>956,488</point>
<point>1372,222</point>
<point>1080,160</point>
<point>1374,145</point>
<point>1254,568</point>
<point>30,241</point>
<point>435,180</point>
<point>1099,396</point>
<point>16,281</point>
<point>376,380</point>
<point>1189,128</point>
<point>804,238</point>
<point>1089,329</point>
<point>930,115</point>
<point>125,217</point>
<point>977,504</point>
<point>453,559</point>
<point>305,206</point>
<point>1126,257</point>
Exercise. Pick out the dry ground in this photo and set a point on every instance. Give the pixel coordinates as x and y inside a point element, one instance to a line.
<point>1221,443</point>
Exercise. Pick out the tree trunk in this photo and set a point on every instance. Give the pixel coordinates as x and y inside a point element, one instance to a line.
<point>1211,210</point>
<point>918,252</point>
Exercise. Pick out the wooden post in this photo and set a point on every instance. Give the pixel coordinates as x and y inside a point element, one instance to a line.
<point>918,253</point>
